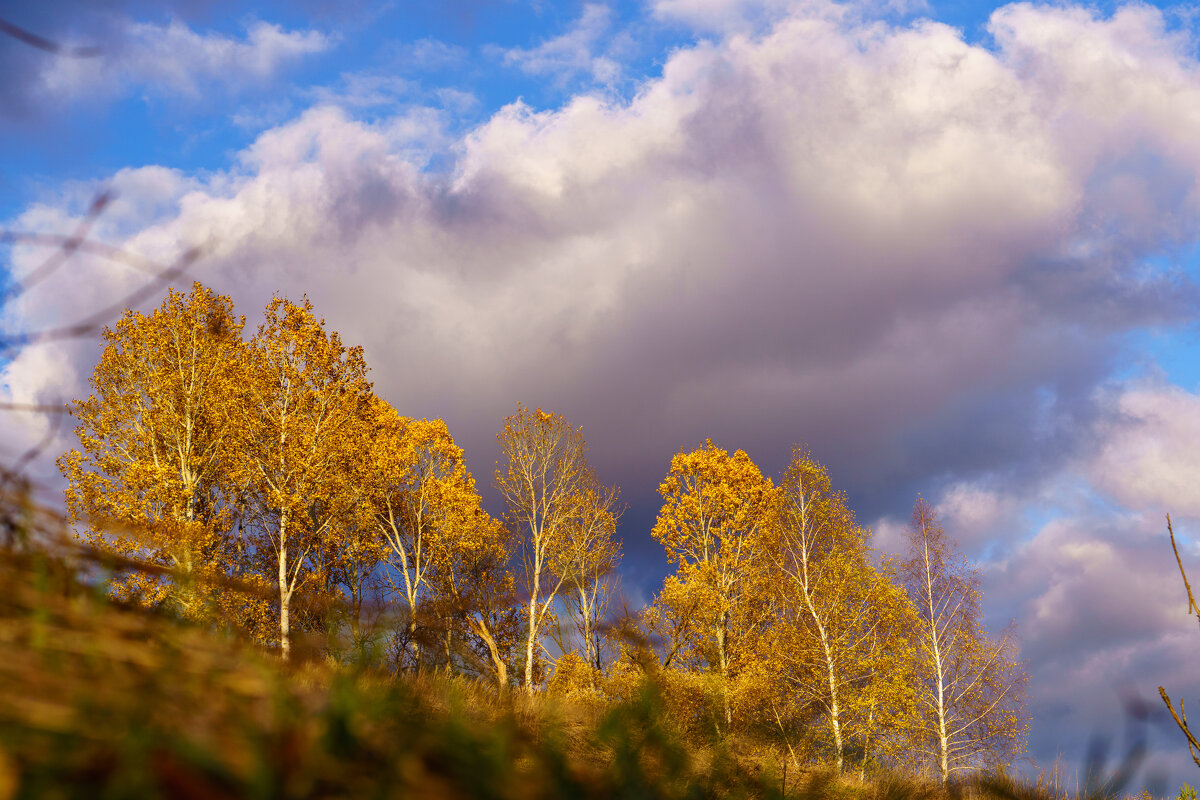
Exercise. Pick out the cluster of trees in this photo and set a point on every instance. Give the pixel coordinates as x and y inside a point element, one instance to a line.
<point>277,494</point>
<point>781,615</point>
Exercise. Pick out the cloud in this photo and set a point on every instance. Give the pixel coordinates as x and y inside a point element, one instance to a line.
<point>175,58</point>
<point>720,15</point>
<point>911,252</point>
<point>1103,619</point>
<point>428,55</point>
<point>571,53</point>
<point>1150,452</point>
<point>725,17</point>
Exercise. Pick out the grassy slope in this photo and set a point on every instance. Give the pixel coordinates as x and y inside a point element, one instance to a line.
<point>99,700</point>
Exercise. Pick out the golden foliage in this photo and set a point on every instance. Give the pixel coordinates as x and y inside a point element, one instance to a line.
<point>262,487</point>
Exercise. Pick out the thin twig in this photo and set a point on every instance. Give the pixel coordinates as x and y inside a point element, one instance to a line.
<point>68,247</point>
<point>1181,717</point>
<point>1193,745</point>
<point>1192,607</point>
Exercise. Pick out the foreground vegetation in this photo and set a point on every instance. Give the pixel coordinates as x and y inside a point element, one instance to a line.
<point>102,699</point>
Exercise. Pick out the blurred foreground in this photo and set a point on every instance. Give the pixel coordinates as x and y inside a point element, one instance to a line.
<point>100,699</point>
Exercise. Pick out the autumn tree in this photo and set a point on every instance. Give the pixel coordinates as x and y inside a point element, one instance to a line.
<point>476,593</point>
<point>838,640</point>
<point>424,507</point>
<point>971,692</point>
<point>586,565</point>
<point>541,477</point>
<point>150,479</point>
<point>348,590</point>
<point>715,506</point>
<point>301,428</point>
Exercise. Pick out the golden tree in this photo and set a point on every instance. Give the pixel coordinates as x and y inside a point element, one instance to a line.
<point>972,688</point>
<point>302,426</point>
<point>475,592</point>
<point>423,505</point>
<point>541,479</point>
<point>586,565</point>
<point>838,643</point>
<point>347,586</point>
<point>150,479</point>
<point>715,506</point>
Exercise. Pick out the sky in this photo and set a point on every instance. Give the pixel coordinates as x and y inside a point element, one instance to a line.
<point>953,247</point>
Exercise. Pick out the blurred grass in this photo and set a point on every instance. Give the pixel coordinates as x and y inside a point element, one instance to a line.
<point>103,700</point>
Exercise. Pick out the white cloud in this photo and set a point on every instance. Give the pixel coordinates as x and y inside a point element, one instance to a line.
<point>428,55</point>
<point>721,15</point>
<point>571,53</point>
<point>177,59</point>
<point>724,17</point>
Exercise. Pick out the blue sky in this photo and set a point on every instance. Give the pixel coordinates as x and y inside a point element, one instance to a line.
<point>953,247</point>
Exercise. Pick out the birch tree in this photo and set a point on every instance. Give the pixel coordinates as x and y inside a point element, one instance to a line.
<point>150,478</point>
<point>972,690</point>
<point>838,641</point>
<point>587,564</point>
<point>714,508</point>
<point>301,429</point>
<point>474,587</point>
<point>541,479</point>
<point>421,498</point>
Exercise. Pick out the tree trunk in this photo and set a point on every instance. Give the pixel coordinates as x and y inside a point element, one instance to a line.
<point>285,644</point>
<point>529,642</point>
<point>722,633</point>
<point>591,650</point>
<point>835,720</point>
<point>481,628</point>
<point>935,646</point>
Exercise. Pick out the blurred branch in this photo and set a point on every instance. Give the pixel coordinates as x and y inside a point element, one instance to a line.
<point>66,246</point>
<point>81,246</point>
<point>35,451</point>
<point>91,323</point>
<point>69,246</point>
<point>36,408</point>
<point>54,48</point>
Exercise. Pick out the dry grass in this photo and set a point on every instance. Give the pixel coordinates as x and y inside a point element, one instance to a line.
<point>100,700</point>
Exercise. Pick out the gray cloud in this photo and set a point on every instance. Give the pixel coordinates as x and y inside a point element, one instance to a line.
<point>904,249</point>
<point>1103,619</point>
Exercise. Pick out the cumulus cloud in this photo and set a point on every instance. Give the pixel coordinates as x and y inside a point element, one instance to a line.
<point>1103,619</point>
<point>909,251</point>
